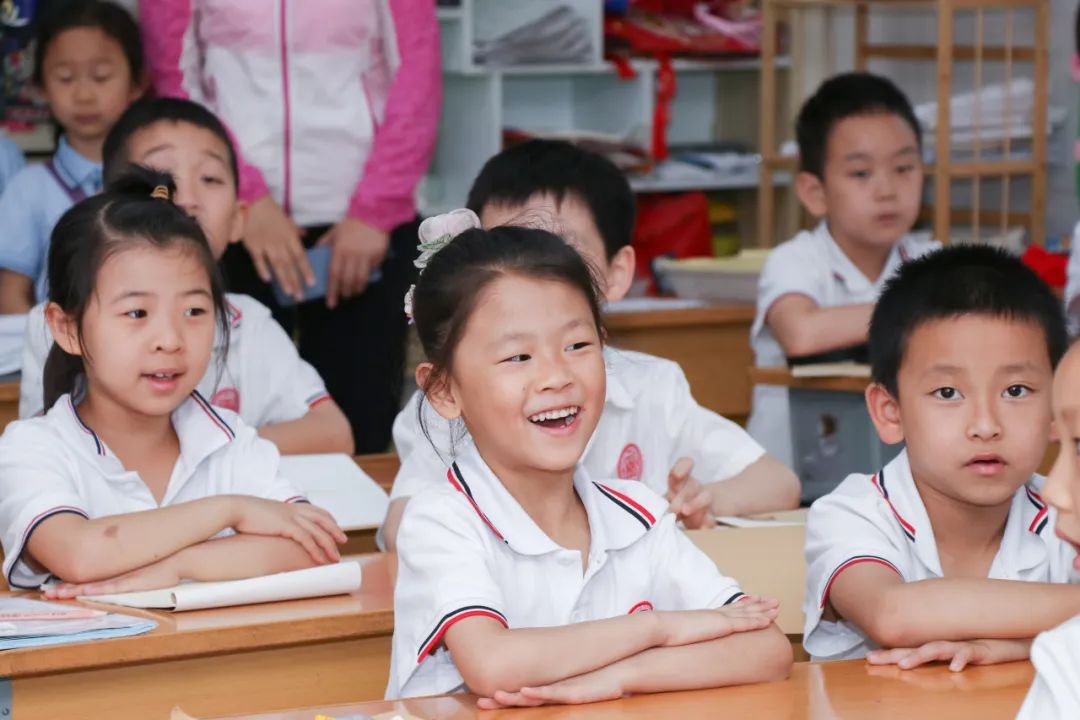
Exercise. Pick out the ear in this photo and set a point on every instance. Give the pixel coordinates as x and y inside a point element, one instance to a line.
<point>239,221</point>
<point>885,413</point>
<point>620,274</point>
<point>63,328</point>
<point>438,391</point>
<point>811,192</point>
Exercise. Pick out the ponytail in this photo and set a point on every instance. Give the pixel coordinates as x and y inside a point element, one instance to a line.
<point>62,374</point>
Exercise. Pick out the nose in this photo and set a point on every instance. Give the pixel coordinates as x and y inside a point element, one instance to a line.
<point>983,423</point>
<point>167,337</point>
<point>185,197</point>
<point>84,90</point>
<point>554,374</point>
<point>884,185</point>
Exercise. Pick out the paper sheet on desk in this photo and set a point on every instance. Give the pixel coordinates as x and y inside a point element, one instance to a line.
<point>338,485</point>
<point>337,579</point>
<point>835,369</point>
<point>742,522</point>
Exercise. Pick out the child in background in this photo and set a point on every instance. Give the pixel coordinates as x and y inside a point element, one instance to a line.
<point>130,480</point>
<point>256,372</point>
<point>651,428</point>
<point>1055,694</point>
<point>88,61</point>
<point>963,343</point>
<point>520,577</point>
<point>861,175</point>
<point>11,160</point>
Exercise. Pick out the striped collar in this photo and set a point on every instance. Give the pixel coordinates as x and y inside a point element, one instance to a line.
<point>619,512</point>
<point>844,270</point>
<point>1023,544</point>
<point>76,169</point>
<point>201,429</point>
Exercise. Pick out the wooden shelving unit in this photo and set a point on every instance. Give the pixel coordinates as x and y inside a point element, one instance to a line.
<point>945,54</point>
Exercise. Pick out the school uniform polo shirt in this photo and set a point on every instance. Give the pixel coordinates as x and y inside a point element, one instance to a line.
<point>1055,692</point>
<point>810,264</point>
<point>260,375</point>
<point>56,464</point>
<point>881,519</point>
<point>649,421</point>
<point>466,548</point>
<point>32,202</point>
<point>11,160</point>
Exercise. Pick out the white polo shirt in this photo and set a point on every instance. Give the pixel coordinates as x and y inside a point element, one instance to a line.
<point>881,519</point>
<point>467,548</point>
<point>649,421</point>
<point>1055,693</point>
<point>56,464</point>
<point>809,264</point>
<point>263,378</point>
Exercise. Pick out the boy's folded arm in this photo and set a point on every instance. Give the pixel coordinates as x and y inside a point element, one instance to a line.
<point>748,657</point>
<point>79,550</point>
<point>763,486</point>
<point>802,327</point>
<point>894,613</point>
<point>323,429</point>
<point>491,657</point>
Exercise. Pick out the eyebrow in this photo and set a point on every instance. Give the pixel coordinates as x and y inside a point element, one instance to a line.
<point>511,336</point>
<point>130,294</point>
<point>906,150</point>
<point>172,146</point>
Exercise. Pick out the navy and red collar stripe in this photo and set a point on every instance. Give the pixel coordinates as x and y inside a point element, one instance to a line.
<point>879,483</point>
<point>635,509</point>
<point>213,415</point>
<point>1042,514</point>
<point>98,445</point>
<point>458,482</point>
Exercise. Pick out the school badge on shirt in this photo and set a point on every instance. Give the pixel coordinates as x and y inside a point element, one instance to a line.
<point>228,398</point>
<point>631,464</point>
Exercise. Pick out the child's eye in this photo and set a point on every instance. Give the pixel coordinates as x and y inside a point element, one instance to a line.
<point>860,174</point>
<point>517,358</point>
<point>102,78</point>
<point>195,312</point>
<point>579,345</point>
<point>213,180</point>
<point>946,393</point>
<point>905,169</point>
<point>1017,391</point>
<point>136,314</point>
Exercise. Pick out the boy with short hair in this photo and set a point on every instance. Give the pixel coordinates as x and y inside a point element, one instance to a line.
<point>924,556</point>
<point>259,374</point>
<point>651,428</point>
<point>861,175</point>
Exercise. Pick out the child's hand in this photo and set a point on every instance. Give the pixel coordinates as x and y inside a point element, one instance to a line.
<point>596,686</point>
<point>162,574</point>
<point>959,654</point>
<point>312,527</point>
<point>273,241</point>
<point>358,248</point>
<point>694,626</point>
<point>687,498</point>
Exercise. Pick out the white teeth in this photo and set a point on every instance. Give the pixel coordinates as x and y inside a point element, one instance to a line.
<point>555,414</point>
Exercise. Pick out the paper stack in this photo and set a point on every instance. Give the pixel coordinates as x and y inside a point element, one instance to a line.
<point>32,623</point>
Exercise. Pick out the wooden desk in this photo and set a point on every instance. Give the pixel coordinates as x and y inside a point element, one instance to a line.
<point>257,658</point>
<point>382,468</point>
<point>783,376</point>
<point>9,402</point>
<point>850,690</point>
<point>712,344</point>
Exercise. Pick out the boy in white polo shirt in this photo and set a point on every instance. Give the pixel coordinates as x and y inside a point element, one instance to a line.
<point>923,557</point>
<point>860,175</point>
<point>263,378</point>
<point>651,428</point>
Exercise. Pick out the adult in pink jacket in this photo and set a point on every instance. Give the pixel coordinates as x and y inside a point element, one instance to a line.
<point>334,105</point>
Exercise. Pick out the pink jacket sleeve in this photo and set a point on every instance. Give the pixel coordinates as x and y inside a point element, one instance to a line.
<point>174,58</point>
<point>405,141</point>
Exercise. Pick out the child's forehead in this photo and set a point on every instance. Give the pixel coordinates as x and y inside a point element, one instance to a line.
<point>976,340</point>
<point>175,134</point>
<point>568,217</point>
<point>879,133</point>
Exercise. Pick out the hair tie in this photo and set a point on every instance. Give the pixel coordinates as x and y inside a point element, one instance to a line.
<point>160,192</point>
<point>435,234</point>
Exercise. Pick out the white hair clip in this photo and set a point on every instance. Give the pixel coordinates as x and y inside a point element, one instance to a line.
<point>435,234</point>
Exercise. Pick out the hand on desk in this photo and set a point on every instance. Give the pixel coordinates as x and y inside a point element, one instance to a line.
<point>311,527</point>
<point>676,629</point>
<point>689,499</point>
<point>959,654</point>
<point>162,574</point>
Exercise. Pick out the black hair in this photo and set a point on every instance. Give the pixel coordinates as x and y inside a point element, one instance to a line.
<point>561,169</point>
<point>116,22</point>
<point>148,111</point>
<point>838,98</point>
<point>126,214</point>
<point>447,290</point>
<point>955,281</point>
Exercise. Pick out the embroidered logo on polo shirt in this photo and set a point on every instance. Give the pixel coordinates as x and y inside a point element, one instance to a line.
<point>631,465</point>
<point>643,606</point>
<point>228,398</point>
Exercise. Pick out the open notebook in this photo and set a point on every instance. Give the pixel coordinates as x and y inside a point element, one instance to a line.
<point>338,485</point>
<point>337,579</point>
<point>831,369</point>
